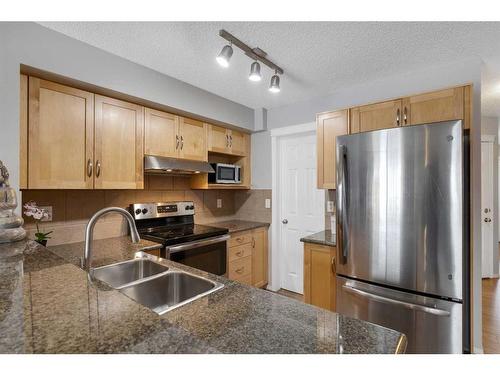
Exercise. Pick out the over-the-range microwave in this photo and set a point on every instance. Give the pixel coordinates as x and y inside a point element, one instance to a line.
<point>225,174</point>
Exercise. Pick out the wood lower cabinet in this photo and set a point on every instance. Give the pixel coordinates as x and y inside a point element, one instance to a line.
<point>59,136</point>
<point>436,106</point>
<point>119,142</point>
<point>247,257</point>
<point>376,116</point>
<point>319,275</point>
<point>329,126</point>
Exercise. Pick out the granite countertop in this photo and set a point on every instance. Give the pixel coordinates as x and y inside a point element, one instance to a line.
<point>238,225</point>
<point>325,237</point>
<point>49,305</point>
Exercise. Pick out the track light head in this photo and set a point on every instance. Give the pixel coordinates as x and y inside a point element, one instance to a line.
<point>225,55</point>
<point>274,87</point>
<point>255,72</point>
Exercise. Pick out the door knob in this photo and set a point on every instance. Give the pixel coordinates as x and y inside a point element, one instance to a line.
<point>284,221</point>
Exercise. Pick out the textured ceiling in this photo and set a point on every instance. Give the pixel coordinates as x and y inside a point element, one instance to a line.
<point>318,57</point>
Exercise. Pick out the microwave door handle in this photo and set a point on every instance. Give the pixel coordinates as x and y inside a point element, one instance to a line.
<point>342,202</point>
<point>408,305</point>
<point>196,244</point>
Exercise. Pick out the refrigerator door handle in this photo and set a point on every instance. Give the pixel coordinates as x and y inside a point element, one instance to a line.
<point>409,305</point>
<point>343,228</point>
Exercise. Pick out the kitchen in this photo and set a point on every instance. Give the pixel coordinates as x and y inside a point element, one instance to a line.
<point>172,224</point>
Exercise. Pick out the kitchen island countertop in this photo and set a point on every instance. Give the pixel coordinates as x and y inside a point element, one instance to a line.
<point>49,305</point>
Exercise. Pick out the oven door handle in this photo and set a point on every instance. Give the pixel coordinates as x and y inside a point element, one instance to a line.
<point>196,244</point>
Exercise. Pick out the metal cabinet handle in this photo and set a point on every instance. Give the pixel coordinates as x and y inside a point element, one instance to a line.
<point>97,168</point>
<point>89,168</point>
<point>334,268</point>
<point>239,253</point>
<point>227,140</point>
<point>284,221</point>
<point>408,305</point>
<point>231,141</point>
<point>182,142</point>
<point>253,242</point>
<point>176,142</point>
<point>405,116</point>
<point>398,112</point>
<point>239,239</point>
<point>239,270</point>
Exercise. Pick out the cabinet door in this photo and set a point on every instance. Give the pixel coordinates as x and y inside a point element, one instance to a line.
<point>376,116</point>
<point>60,136</point>
<point>218,139</point>
<point>119,142</point>
<point>238,142</point>
<point>193,139</point>
<point>259,257</point>
<point>329,126</point>
<point>161,133</point>
<point>435,106</point>
<point>319,275</point>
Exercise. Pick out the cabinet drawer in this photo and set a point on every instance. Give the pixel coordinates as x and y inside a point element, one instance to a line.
<point>245,280</point>
<point>240,239</point>
<point>238,252</point>
<point>239,268</point>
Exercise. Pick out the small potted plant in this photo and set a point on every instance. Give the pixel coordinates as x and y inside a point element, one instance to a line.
<point>38,214</point>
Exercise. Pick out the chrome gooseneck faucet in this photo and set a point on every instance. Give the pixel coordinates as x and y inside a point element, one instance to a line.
<point>89,231</point>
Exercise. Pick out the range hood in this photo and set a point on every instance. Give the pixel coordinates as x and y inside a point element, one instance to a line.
<point>164,165</point>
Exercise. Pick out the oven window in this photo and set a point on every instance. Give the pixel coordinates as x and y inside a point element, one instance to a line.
<point>226,173</point>
<point>210,258</point>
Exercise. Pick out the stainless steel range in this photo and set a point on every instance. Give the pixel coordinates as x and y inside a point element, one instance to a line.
<point>172,225</point>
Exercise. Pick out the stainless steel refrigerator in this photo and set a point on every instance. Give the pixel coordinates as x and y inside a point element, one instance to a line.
<point>402,232</point>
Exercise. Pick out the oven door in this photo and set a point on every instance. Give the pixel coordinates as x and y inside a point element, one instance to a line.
<point>227,174</point>
<point>207,254</point>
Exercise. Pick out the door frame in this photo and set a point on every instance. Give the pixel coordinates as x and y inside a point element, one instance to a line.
<point>275,271</point>
<point>490,138</point>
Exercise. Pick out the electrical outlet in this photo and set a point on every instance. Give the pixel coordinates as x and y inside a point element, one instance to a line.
<point>219,203</point>
<point>267,203</point>
<point>329,206</point>
<point>48,210</point>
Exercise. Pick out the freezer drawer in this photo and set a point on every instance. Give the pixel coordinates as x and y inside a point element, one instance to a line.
<point>431,325</point>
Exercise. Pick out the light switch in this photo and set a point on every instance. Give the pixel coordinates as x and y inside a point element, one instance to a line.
<point>329,206</point>
<point>267,203</point>
<point>219,203</point>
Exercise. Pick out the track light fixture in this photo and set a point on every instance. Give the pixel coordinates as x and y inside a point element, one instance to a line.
<point>225,55</point>
<point>255,54</point>
<point>274,87</point>
<point>255,75</point>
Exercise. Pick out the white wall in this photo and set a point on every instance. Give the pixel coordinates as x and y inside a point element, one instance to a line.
<point>411,82</point>
<point>261,156</point>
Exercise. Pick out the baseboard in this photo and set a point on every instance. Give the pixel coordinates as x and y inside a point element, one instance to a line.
<point>478,350</point>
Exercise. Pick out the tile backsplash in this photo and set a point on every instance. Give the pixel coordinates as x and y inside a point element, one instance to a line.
<point>71,209</point>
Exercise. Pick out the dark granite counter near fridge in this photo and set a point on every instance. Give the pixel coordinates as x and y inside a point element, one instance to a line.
<point>325,237</point>
<point>238,225</point>
<point>49,305</point>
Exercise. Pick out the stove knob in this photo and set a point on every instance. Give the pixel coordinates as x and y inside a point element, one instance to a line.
<point>138,211</point>
<point>187,207</point>
<point>144,211</point>
<point>191,207</point>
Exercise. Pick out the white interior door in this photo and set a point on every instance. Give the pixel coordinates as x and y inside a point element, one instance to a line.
<point>487,209</point>
<point>301,205</point>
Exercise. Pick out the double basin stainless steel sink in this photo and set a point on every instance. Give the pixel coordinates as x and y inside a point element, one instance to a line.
<point>153,284</point>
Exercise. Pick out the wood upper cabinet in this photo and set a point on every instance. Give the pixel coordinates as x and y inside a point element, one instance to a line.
<point>435,106</point>
<point>377,116</point>
<point>193,139</point>
<point>218,139</point>
<point>238,142</point>
<point>60,134</point>
<point>259,257</point>
<point>227,141</point>
<point>161,136</point>
<point>319,275</point>
<point>119,142</point>
<point>329,126</point>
